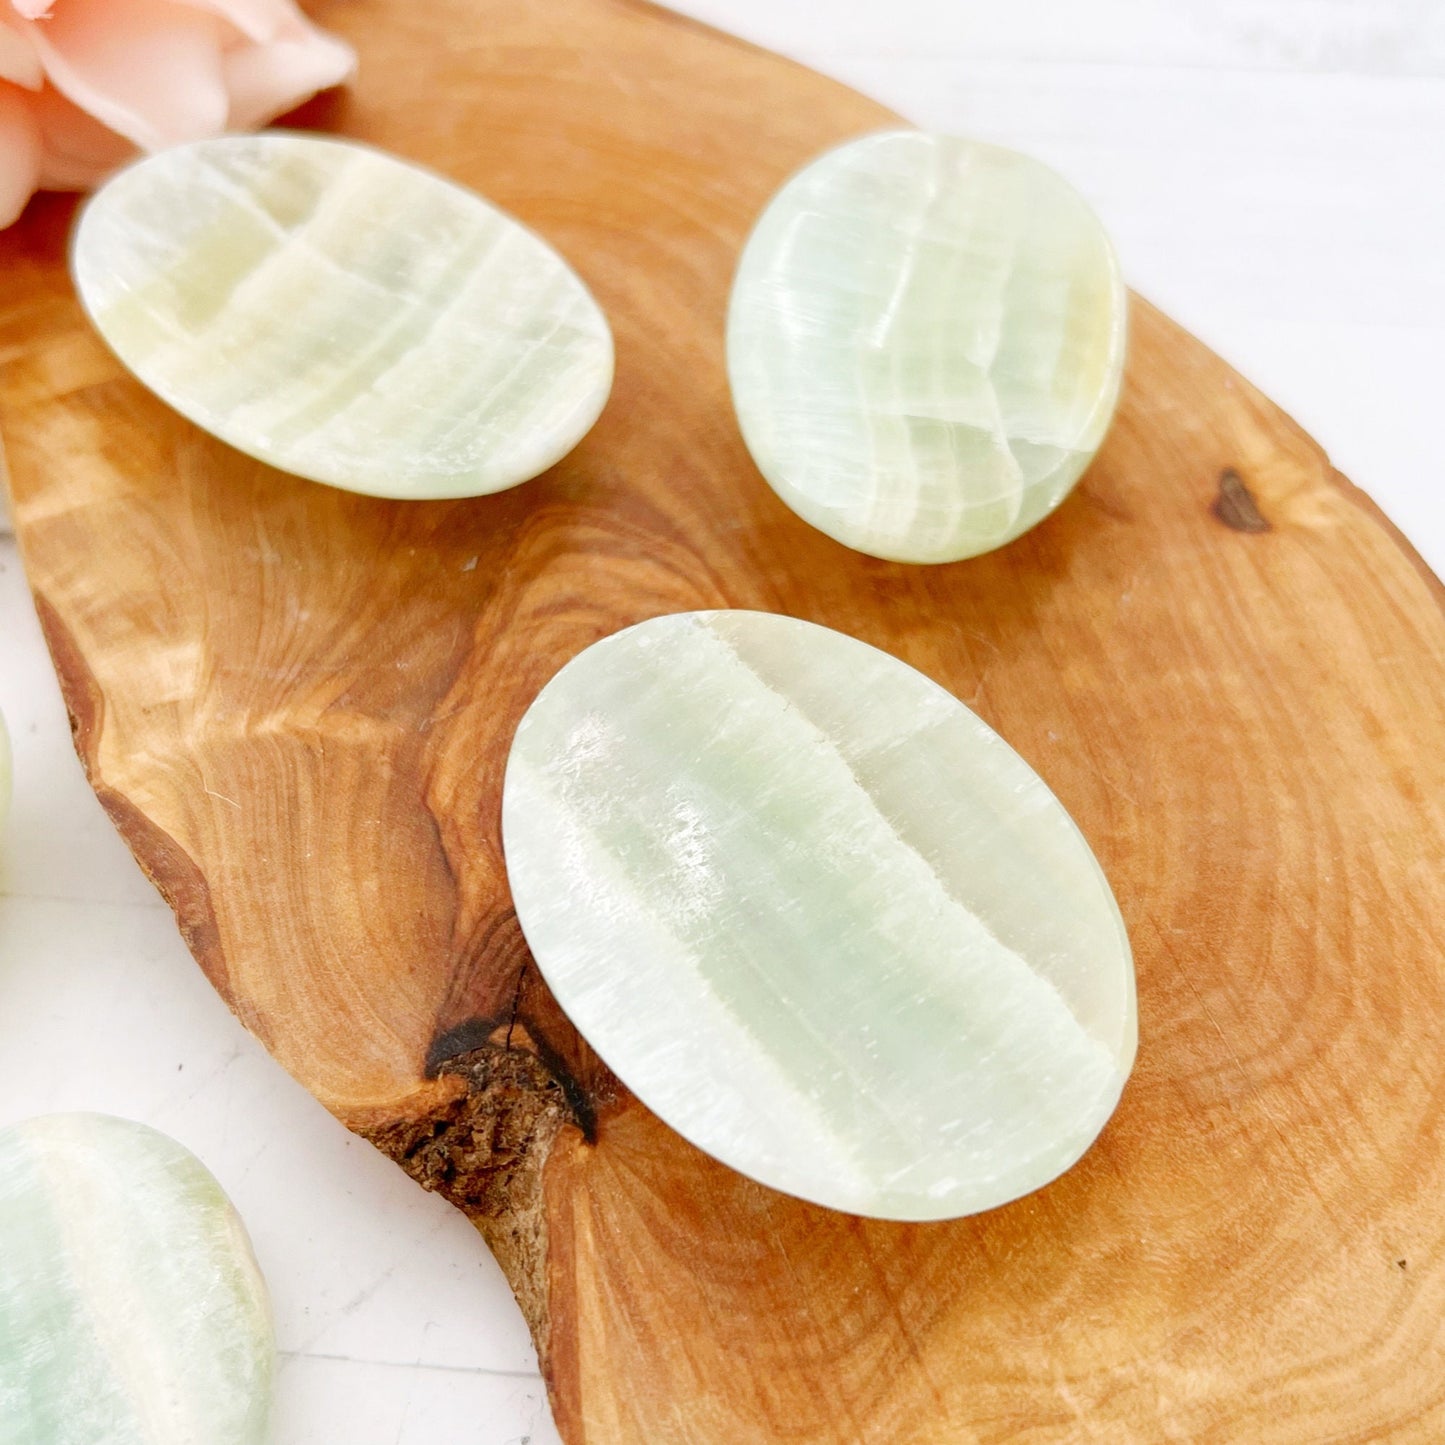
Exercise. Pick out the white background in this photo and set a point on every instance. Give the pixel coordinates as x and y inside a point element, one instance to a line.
<point>1273,172</point>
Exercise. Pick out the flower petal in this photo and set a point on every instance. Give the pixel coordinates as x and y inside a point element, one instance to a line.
<point>32,9</point>
<point>148,69</point>
<point>76,150</point>
<point>19,151</point>
<point>258,19</point>
<point>19,60</point>
<point>265,80</point>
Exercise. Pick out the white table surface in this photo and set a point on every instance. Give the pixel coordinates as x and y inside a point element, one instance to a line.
<point>1273,172</point>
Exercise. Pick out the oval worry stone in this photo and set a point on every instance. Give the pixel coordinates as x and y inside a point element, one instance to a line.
<point>925,344</point>
<point>817,915</point>
<point>343,315</point>
<point>131,1308</point>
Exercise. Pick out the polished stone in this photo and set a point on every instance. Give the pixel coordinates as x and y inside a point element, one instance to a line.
<point>131,1308</point>
<point>343,315</point>
<point>925,344</point>
<point>817,915</point>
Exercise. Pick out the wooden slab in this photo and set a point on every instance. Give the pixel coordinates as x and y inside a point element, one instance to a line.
<point>296,705</point>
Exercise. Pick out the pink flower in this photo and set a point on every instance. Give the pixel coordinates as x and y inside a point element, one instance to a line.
<point>84,83</point>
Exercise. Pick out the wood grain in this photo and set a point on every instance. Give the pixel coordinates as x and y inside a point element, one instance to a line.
<point>296,705</point>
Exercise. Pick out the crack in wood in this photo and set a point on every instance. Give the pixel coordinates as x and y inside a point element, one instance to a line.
<point>485,1152</point>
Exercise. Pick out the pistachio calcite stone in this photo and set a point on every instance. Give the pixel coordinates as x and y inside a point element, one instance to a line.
<point>925,344</point>
<point>343,315</point>
<point>817,915</point>
<point>131,1308</point>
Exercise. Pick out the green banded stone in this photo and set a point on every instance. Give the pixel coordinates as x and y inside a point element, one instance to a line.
<point>925,344</point>
<point>817,915</point>
<point>343,315</point>
<point>131,1308</point>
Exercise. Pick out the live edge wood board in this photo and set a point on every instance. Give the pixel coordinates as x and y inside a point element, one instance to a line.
<point>296,705</point>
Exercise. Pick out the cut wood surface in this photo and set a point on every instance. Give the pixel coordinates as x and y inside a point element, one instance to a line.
<point>296,705</point>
